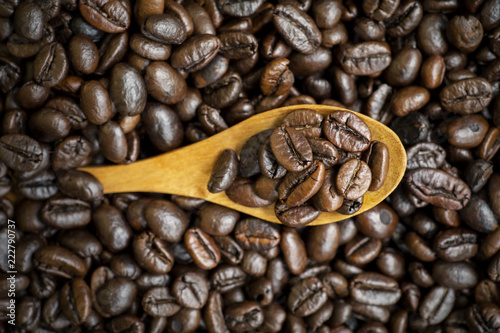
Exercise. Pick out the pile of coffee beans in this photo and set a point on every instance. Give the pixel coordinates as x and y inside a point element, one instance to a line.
<point>114,81</point>
<point>306,165</point>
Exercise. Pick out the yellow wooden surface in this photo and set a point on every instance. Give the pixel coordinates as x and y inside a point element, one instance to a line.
<point>186,171</point>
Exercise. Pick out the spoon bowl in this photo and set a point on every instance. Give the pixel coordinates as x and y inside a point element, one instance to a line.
<point>186,171</point>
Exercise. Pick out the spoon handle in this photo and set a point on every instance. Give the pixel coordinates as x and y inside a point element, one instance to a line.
<point>183,171</point>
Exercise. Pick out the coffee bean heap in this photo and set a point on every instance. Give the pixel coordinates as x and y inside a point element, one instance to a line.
<point>306,165</point>
<point>112,81</point>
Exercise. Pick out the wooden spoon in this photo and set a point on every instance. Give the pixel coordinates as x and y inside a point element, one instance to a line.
<point>186,171</point>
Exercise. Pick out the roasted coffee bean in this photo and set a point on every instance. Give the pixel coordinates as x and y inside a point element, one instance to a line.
<point>242,191</point>
<point>350,207</point>
<point>196,53</point>
<point>404,67</point>
<point>306,297</point>
<point>347,131</point>
<point>95,102</point>
<point>83,54</point>
<point>438,188</point>
<point>457,275</point>
<point>226,278</point>
<point>51,65</point>
<point>374,289</point>
<point>237,45</point>
<point>298,187</point>
<point>408,99</point>
<point>66,213</point>
<point>466,96</point>
<point>294,251</point>
<point>378,159</point>
<point>217,220</point>
<point>202,248</point>
<point>164,83</point>
<point>291,149</point>
<point>111,227</point>
<point>127,90</point>
<point>244,316</point>
<point>328,199</point>
<point>365,58</point>
<point>478,215</point>
<point>152,253</point>
<point>191,290</point>
<point>257,235</point>
<point>239,8</point>
<point>166,220</point>
<point>425,155</point>
<point>75,301</point>
<point>362,250</point>
<point>353,179</point>
<point>163,126</point>
<point>306,121</point>
<point>20,152</point>
<point>379,222</point>
<point>297,28</point>
<point>59,261</point>
<point>165,28</point>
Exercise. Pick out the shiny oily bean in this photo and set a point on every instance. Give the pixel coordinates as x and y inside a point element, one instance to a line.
<point>322,242</point>
<point>294,250</point>
<point>347,131</point>
<point>453,192</point>
<point>195,53</point>
<point>269,165</point>
<point>466,96</point>
<point>51,65</point>
<point>298,187</point>
<point>164,83</point>
<point>328,199</point>
<point>202,248</point>
<point>432,71</point>
<point>362,250</point>
<point>365,58</point>
<point>306,297</point>
<point>223,92</point>
<point>297,28</point>
<point>306,121</point>
<point>224,172</point>
<point>217,220</point>
<point>75,301</point>
<point>456,275</point>
<point>59,261</point>
<point>211,72</point>
<point>378,159</point>
<point>112,141</point>
<point>112,16</point>
<point>244,316</point>
<point>148,48</point>
<point>164,28</point>
<point>159,302</point>
<point>467,131</point>
<point>237,45</point>
<point>242,191</point>
<point>20,152</point>
<point>404,67</point>
<point>166,220</point>
<point>95,102</point>
<point>163,126</point>
<point>353,179</point>
<point>291,148</point>
<point>151,253</point>
<point>111,227</point>
<point>127,90</point>
<point>277,79</point>
<point>375,289</point>
<point>257,235</point>
<point>409,99</point>
<point>425,155</point>
<point>83,54</point>
<point>379,222</point>
<point>66,213</point>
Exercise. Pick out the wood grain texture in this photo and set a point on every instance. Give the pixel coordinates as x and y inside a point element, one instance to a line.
<point>186,171</point>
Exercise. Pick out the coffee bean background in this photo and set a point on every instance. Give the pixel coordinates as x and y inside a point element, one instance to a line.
<point>113,81</point>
